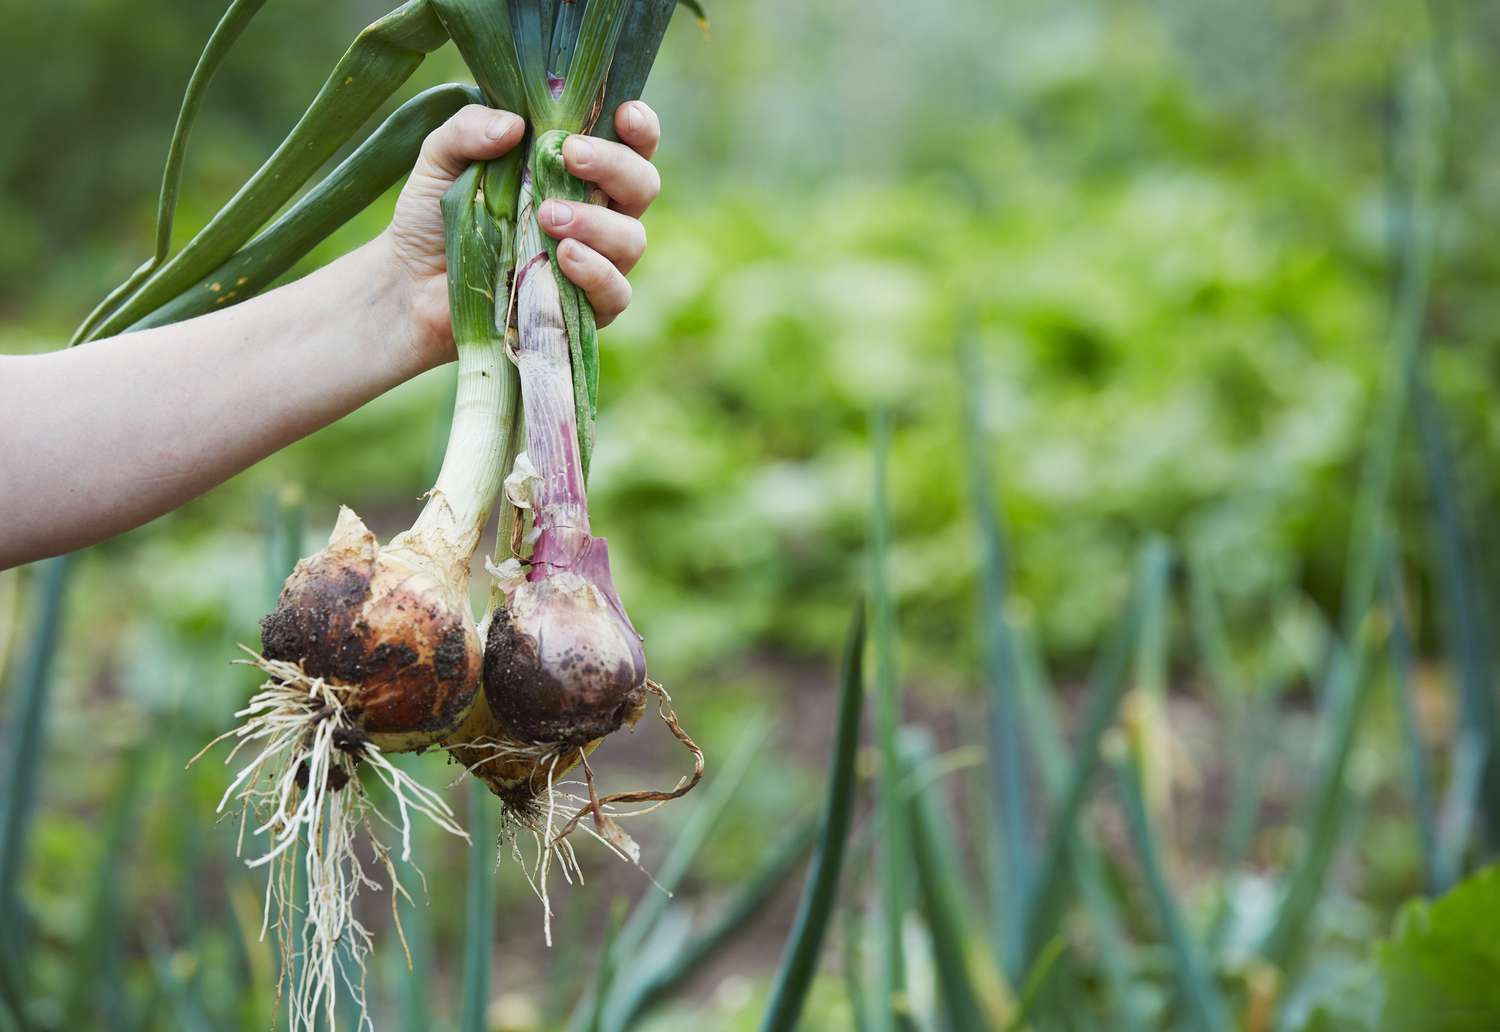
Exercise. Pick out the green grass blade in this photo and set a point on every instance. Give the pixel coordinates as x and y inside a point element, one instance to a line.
<point>220,42</point>
<point>1008,798</point>
<point>1248,718</point>
<point>1467,647</point>
<point>1210,636</point>
<point>805,945</point>
<point>1349,673</point>
<point>566,21</point>
<point>479,906</point>
<point>1403,673</point>
<point>10,597</point>
<point>531,29</point>
<point>1256,734</point>
<point>946,901</point>
<point>1411,249</point>
<point>293,512</point>
<point>1444,64</point>
<point>1036,980</point>
<point>12,997</point>
<point>713,806</point>
<point>1044,731</point>
<point>413,1003</point>
<point>894,859</point>
<point>226,33</point>
<point>854,970</point>
<point>781,860</point>
<point>1204,1006</point>
<point>1249,722</point>
<point>717,796</point>
<point>1349,688</point>
<point>270,533</point>
<point>1419,138</point>
<point>378,163</point>
<point>1149,691</point>
<point>283,521</point>
<point>382,57</point>
<point>596,999</point>
<point>177,992</point>
<point>1105,691</point>
<point>98,997</point>
<point>26,743</point>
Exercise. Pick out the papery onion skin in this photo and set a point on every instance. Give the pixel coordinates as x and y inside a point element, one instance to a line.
<point>387,622</point>
<point>562,661</point>
<point>515,772</point>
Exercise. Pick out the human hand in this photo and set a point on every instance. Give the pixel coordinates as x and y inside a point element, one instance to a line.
<point>599,245</point>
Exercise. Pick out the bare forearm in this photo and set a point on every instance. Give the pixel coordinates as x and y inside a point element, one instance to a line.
<point>102,438</point>
<point>112,434</point>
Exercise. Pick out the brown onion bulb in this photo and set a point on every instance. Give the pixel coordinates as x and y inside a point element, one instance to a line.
<point>389,622</point>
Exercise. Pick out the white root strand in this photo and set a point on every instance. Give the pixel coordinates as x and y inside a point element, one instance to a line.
<point>295,723</point>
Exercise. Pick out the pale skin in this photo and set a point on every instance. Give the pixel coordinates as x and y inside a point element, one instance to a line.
<point>106,436</point>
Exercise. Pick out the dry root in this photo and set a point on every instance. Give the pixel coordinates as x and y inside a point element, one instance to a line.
<point>540,817</point>
<point>302,791</point>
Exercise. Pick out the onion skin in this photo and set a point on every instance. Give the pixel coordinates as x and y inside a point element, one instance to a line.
<point>563,668</point>
<point>515,772</point>
<point>387,622</point>
<point>559,665</point>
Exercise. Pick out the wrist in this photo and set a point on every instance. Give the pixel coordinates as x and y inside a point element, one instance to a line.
<point>416,335</point>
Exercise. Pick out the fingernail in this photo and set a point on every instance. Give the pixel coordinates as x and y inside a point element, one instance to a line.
<point>579,150</point>
<point>499,126</point>
<point>557,213</point>
<point>635,121</point>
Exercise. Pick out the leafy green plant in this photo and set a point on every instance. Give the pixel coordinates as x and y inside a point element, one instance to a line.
<point>1435,970</point>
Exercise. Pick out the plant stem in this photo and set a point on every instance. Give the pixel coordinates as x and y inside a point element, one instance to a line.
<point>1008,753</point>
<point>820,895</point>
<point>458,505</point>
<point>894,864</point>
<point>560,507</point>
<point>481,909</point>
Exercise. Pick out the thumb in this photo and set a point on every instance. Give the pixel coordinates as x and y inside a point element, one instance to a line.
<point>474,133</point>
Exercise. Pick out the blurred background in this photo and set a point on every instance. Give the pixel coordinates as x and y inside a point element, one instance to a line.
<point>1187,266</point>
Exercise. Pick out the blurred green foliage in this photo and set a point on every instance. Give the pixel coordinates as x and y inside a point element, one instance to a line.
<point>1166,224</point>
<point>1436,970</point>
